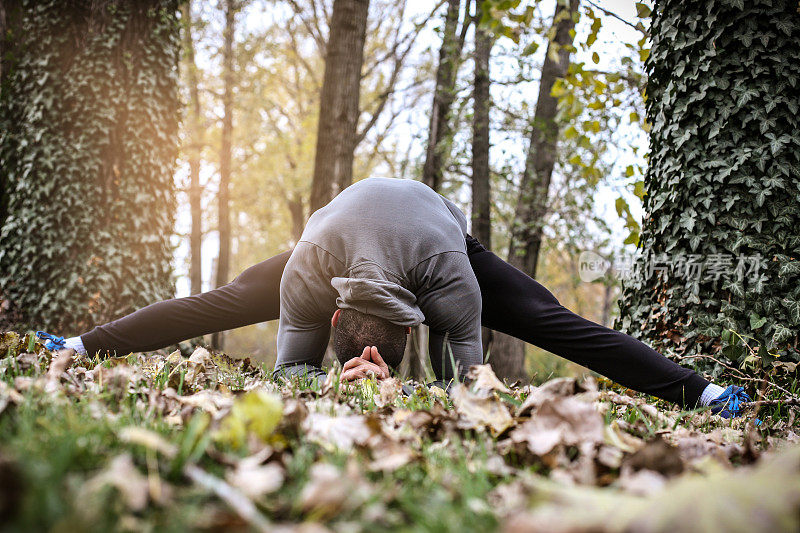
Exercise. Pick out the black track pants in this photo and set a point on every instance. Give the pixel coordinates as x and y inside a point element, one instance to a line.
<point>513,303</point>
<point>517,305</point>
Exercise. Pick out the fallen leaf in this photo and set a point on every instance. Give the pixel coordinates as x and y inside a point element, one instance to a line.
<point>560,420</point>
<point>389,390</point>
<point>342,432</point>
<point>477,412</point>
<point>330,491</point>
<point>148,439</point>
<point>256,413</point>
<point>484,380</point>
<point>256,480</point>
<point>123,475</point>
<point>656,455</point>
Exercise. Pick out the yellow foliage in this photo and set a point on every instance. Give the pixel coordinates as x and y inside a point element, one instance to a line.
<point>256,413</point>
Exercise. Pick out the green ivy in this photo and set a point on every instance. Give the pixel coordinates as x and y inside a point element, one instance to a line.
<point>88,137</point>
<point>723,178</point>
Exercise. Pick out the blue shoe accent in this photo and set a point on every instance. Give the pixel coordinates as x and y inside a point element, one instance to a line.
<point>727,404</point>
<point>53,343</point>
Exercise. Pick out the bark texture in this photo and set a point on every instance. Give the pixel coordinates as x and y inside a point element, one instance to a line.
<point>481,184</point>
<point>339,103</point>
<point>195,146</point>
<point>223,196</point>
<point>444,94</point>
<point>508,355</point>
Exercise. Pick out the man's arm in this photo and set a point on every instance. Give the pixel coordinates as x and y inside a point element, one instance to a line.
<point>307,303</point>
<point>301,350</point>
<point>450,298</point>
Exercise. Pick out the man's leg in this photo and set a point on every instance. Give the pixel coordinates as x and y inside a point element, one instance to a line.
<point>517,305</point>
<point>254,296</point>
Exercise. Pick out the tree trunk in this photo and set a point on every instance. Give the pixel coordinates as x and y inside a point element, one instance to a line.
<point>721,184</point>
<point>338,115</point>
<point>608,301</point>
<point>481,189</point>
<point>481,184</point>
<point>444,94</point>
<point>223,198</point>
<point>414,352</point>
<point>195,145</point>
<point>508,357</point>
<point>297,213</point>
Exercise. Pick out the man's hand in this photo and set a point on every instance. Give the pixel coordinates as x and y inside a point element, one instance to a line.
<point>370,362</point>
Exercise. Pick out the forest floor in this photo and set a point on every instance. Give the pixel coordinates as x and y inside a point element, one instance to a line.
<point>166,442</point>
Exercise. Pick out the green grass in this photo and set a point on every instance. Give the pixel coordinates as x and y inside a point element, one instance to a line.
<point>57,441</point>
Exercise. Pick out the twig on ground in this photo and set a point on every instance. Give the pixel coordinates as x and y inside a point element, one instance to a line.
<point>787,401</point>
<point>739,373</point>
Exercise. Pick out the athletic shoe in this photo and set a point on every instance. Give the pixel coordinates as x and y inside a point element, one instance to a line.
<point>728,404</point>
<point>53,343</point>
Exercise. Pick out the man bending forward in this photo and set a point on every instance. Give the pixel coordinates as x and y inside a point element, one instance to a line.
<point>383,256</point>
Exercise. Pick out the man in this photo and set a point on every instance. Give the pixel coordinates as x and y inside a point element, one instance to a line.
<point>385,255</point>
<point>382,256</point>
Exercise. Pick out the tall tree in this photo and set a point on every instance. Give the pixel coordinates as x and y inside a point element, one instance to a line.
<point>88,138</point>
<point>444,92</point>
<point>508,354</point>
<point>193,150</point>
<point>722,224</point>
<point>481,183</point>
<point>481,189</point>
<point>223,195</point>
<point>339,110</point>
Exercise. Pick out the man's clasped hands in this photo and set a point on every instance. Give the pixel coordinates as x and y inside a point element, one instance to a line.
<point>368,363</point>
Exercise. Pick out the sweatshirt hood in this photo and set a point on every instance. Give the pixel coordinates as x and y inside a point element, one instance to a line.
<point>380,298</point>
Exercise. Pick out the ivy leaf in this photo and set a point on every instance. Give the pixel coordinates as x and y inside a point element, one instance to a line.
<point>642,10</point>
<point>756,321</point>
<point>638,189</point>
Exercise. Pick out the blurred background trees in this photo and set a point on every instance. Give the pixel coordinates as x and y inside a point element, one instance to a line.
<point>437,104</point>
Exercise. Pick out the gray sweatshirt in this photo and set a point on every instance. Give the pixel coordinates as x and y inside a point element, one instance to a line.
<point>387,247</point>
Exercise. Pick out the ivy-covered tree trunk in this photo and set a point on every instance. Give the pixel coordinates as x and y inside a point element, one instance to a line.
<point>508,353</point>
<point>88,120</point>
<point>722,229</point>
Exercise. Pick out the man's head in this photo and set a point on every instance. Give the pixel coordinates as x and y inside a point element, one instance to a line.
<point>353,330</point>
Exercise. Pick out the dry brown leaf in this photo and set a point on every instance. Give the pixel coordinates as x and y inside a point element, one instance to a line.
<point>554,388</point>
<point>148,439</point>
<point>9,395</point>
<point>389,390</point>
<point>256,480</point>
<point>479,413</point>
<point>560,420</point>
<point>656,455</point>
<point>60,363</point>
<point>484,381</point>
<point>342,432</point>
<point>123,475</point>
<point>212,402</point>
<point>329,490</point>
<point>388,456</point>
